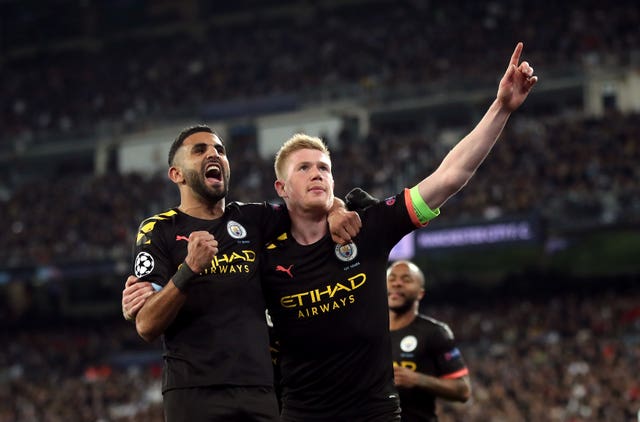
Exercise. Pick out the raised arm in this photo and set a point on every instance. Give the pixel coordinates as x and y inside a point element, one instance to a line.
<point>160,309</point>
<point>463,160</point>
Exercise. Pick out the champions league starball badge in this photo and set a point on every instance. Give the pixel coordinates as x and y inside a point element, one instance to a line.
<point>236,230</point>
<point>346,253</point>
<point>409,344</point>
<point>143,265</point>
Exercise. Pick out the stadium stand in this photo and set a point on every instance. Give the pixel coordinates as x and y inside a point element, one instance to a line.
<point>564,347</point>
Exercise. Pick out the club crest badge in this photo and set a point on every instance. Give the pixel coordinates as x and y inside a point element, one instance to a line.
<point>409,344</point>
<point>236,230</point>
<point>346,253</point>
<point>143,265</point>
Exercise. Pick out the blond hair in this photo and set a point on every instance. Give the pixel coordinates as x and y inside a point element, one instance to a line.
<point>295,143</point>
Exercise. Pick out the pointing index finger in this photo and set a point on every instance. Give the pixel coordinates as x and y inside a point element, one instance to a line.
<point>515,57</point>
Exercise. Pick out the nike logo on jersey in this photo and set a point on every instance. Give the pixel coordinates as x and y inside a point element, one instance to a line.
<point>180,237</point>
<point>285,270</point>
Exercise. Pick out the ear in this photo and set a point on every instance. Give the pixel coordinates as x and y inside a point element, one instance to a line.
<point>421,294</point>
<point>279,186</point>
<point>175,174</point>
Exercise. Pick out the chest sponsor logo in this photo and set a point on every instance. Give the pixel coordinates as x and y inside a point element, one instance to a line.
<point>143,264</point>
<point>346,253</point>
<point>236,230</point>
<point>390,201</point>
<point>231,263</point>
<point>324,300</point>
<point>409,343</point>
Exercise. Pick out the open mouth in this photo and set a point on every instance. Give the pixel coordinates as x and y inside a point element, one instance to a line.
<point>213,173</point>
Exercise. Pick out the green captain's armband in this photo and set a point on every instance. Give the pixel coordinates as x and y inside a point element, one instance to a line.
<point>423,212</point>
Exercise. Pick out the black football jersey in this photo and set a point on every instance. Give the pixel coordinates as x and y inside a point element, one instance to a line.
<point>427,346</point>
<point>219,336</point>
<point>328,303</point>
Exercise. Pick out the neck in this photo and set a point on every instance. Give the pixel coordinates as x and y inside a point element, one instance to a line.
<point>307,227</point>
<point>398,320</point>
<point>202,210</point>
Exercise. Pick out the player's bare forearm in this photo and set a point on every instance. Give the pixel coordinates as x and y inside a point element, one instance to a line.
<point>454,389</point>
<point>134,295</point>
<point>457,389</point>
<point>461,163</point>
<point>159,311</point>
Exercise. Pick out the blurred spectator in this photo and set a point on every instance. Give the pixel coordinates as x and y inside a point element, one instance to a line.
<point>71,72</point>
<point>563,169</point>
<point>173,67</point>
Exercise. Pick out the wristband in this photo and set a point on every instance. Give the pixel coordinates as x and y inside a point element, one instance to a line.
<point>423,212</point>
<point>183,277</point>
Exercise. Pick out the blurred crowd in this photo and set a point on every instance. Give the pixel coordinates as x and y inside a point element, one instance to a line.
<point>569,170</point>
<point>67,74</point>
<point>100,372</point>
<point>56,84</point>
<point>566,168</point>
<point>570,357</point>
<point>78,217</point>
<point>104,77</point>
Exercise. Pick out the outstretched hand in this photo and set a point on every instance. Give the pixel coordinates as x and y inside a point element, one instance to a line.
<point>517,81</point>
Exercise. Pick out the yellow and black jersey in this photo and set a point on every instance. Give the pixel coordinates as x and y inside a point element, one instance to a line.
<point>328,304</point>
<point>219,336</point>
<point>426,346</point>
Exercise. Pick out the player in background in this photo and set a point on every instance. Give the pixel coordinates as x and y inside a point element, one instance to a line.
<point>427,364</point>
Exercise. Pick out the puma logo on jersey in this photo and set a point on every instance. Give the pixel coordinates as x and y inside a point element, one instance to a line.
<point>180,237</point>
<point>285,270</point>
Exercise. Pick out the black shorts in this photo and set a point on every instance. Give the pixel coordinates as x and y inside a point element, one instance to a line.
<point>200,404</point>
<point>395,417</point>
<point>390,412</point>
